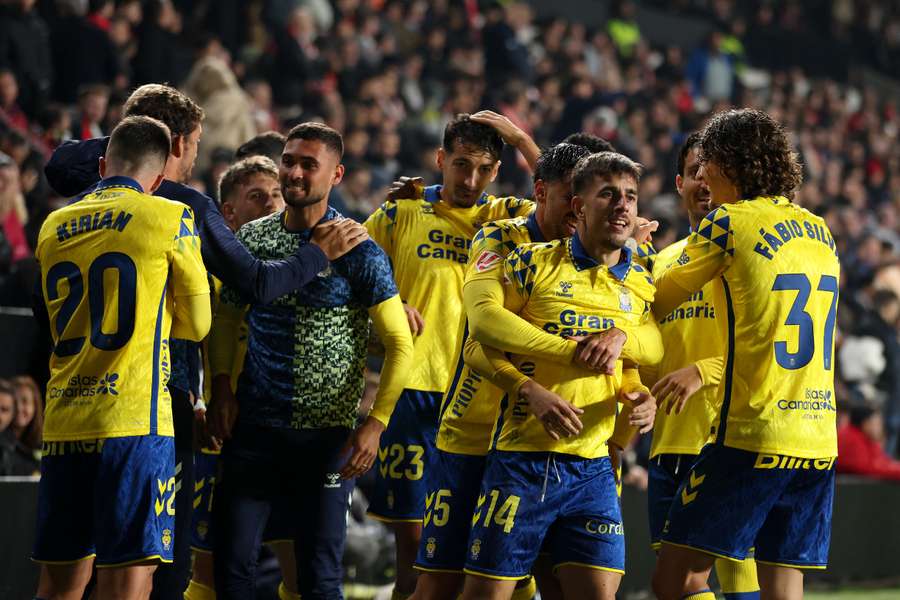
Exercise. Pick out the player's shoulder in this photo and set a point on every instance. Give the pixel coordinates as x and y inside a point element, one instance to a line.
<point>403,209</point>
<point>503,229</point>
<point>504,207</point>
<point>670,253</point>
<point>640,280</point>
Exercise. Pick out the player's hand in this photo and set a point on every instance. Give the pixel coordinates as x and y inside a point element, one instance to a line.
<point>223,409</point>
<point>415,320</point>
<point>559,418</point>
<point>643,410</point>
<point>338,237</point>
<point>674,389</point>
<point>364,446</point>
<point>643,230</point>
<point>508,130</point>
<point>407,188</point>
<point>202,436</point>
<point>600,351</point>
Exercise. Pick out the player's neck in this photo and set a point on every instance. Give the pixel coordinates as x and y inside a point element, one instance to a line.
<point>301,218</point>
<point>602,252</point>
<point>172,170</point>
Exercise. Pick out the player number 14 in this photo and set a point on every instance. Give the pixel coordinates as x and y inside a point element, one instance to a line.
<point>798,317</point>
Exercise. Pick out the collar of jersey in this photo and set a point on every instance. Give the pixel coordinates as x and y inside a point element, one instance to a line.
<point>583,260</point>
<point>330,213</point>
<point>433,194</point>
<point>119,181</point>
<point>534,230</point>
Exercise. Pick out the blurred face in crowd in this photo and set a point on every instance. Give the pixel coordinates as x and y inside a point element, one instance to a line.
<point>93,106</point>
<point>692,189</point>
<point>260,196</point>
<point>721,189</point>
<point>308,170</point>
<point>7,410</point>
<point>467,171</point>
<point>555,215</point>
<point>9,89</point>
<point>24,407</point>
<point>607,211</point>
<point>190,146</point>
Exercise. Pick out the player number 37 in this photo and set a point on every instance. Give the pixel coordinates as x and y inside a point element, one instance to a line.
<point>798,317</point>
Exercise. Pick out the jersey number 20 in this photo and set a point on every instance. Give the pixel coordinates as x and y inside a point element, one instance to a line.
<point>127,277</point>
<point>798,317</point>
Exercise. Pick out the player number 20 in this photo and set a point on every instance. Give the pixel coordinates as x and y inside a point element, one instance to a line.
<point>126,299</point>
<point>798,317</point>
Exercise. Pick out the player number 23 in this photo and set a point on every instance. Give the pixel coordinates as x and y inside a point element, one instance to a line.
<point>798,317</point>
<point>396,454</point>
<point>125,298</point>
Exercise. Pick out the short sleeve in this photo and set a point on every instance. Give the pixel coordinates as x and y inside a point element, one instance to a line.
<point>369,271</point>
<point>187,272</point>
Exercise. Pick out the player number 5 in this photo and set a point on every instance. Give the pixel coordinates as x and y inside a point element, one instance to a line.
<point>798,317</point>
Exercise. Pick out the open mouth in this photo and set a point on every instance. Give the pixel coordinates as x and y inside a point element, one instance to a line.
<point>619,225</point>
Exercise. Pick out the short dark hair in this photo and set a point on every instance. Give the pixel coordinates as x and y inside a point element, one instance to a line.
<point>601,164</point>
<point>462,130</point>
<point>753,151</point>
<point>181,114</point>
<point>318,131</point>
<point>238,173</point>
<point>557,162</point>
<point>592,142</point>
<point>691,141</point>
<point>137,140</point>
<point>268,143</point>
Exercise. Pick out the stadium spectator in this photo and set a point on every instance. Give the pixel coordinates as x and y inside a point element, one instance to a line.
<point>10,112</point>
<point>92,103</point>
<point>15,459</point>
<point>24,48</point>
<point>29,413</point>
<point>860,450</point>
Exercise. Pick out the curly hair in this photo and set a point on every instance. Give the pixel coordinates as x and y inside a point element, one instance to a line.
<point>753,151</point>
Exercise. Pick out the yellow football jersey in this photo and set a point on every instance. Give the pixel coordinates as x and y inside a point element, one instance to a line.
<point>780,274</point>
<point>428,242</point>
<point>559,288</point>
<point>240,350</point>
<point>690,335</point>
<point>471,402</point>
<point>112,267</point>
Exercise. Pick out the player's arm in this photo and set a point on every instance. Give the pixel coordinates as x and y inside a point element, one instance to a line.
<point>494,366</point>
<point>674,389</point>
<point>390,324</point>
<point>512,134</point>
<point>262,281</point>
<point>639,404</point>
<point>189,286</point>
<point>380,226</point>
<point>708,254</point>
<point>223,342</point>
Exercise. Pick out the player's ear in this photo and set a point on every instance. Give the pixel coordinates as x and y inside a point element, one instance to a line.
<point>338,174</point>
<point>102,167</point>
<point>156,184</point>
<point>679,183</point>
<point>441,157</point>
<point>540,191</point>
<point>578,207</point>
<point>177,146</point>
<point>495,171</point>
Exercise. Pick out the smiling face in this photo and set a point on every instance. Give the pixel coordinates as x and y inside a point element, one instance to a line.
<point>258,196</point>
<point>607,209</point>
<point>24,407</point>
<point>467,171</point>
<point>555,214</point>
<point>307,172</point>
<point>7,409</point>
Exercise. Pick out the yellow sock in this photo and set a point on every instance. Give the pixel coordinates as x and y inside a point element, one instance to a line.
<point>198,591</point>
<point>527,591</point>
<point>286,594</point>
<point>398,595</point>
<point>738,579</point>
<point>701,595</point>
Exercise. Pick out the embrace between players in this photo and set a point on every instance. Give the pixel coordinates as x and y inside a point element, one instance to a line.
<point>516,337</point>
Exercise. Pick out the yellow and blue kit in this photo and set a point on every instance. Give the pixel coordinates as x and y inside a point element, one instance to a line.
<point>691,336</point>
<point>772,463</point>
<point>472,402</point>
<point>560,491</point>
<point>115,268</point>
<point>428,242</point>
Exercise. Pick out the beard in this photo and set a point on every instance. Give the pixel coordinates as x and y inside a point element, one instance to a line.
<point>305,196</point>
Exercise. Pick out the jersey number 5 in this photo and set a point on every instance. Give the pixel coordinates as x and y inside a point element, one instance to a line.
<point>797,316</point>
<point>126,297</point>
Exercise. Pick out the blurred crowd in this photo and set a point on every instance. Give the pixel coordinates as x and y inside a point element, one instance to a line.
<point>389,74</point>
